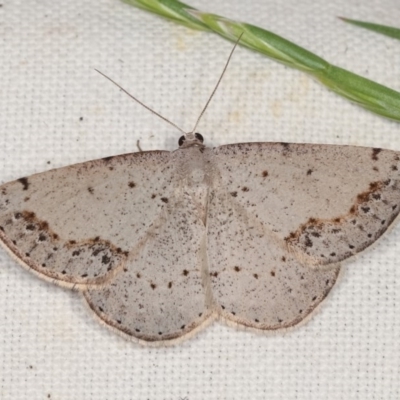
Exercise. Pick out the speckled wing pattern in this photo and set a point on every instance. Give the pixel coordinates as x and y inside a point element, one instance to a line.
<point>160,243</point>
<point>282,217</point>
<point>118,230</point>
<point>160,295</point>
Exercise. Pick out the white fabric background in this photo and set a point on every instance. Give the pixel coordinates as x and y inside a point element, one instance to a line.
<point>50,346</point>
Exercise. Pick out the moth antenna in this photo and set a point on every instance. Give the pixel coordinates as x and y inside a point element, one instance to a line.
<point>142,104</point>
<point>219,81</point>
<point>166,119</point>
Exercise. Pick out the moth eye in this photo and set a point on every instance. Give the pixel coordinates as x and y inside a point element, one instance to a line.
<point>181,140</point>
<point>199,137</point>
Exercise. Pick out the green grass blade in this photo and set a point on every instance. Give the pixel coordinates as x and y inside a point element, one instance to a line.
<point>383,29</point>
<point>171,9</point>
<point>368,94</point>
<point>371,95</point>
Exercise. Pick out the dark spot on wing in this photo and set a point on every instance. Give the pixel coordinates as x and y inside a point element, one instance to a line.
<point>29,216</point>
<point>25,183</point>
<point>153,196</point>
<point>374,186</point>
<point>234,194</point>
<point>105,259</point>
<point>375,153</point>
<point>264,174</point>
<point>131,184</point>
<point>237,269</point>
<point>308,242</point>
<point>90,190</point>
<point>255,276</point>
<point>185,272</point>
<point>309,172</point>
<point>394,168</point>
<point>272,273</point>
<point>164,199</point>
<point>97,251</point>
<point>245,189</point>
<point>153,286</point>
<point>169,285</point>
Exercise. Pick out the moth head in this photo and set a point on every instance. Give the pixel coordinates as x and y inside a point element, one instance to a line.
<point>190,139</point>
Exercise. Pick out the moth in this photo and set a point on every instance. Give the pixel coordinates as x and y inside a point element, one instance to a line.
<point>161,243</point>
